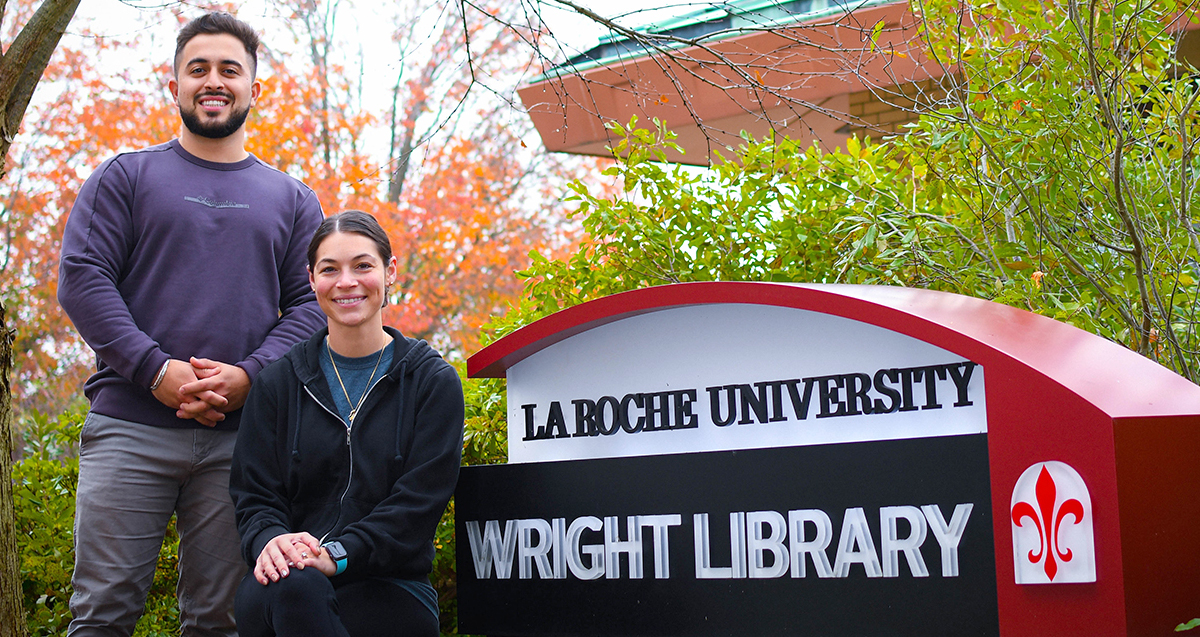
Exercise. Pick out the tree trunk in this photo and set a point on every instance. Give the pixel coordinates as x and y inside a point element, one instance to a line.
<point>12,611</point>
<point>21,67</point>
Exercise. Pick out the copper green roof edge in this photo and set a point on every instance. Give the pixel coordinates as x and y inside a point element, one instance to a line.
<point>716,36</point>
<point>731,8</point>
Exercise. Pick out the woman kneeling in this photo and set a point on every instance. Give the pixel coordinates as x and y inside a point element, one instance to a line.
<point>347,454</point>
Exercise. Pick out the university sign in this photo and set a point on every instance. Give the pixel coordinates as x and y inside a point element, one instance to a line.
<point>752,458</point>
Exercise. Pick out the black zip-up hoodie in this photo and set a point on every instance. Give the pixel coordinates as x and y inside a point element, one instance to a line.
<point>378,488</point>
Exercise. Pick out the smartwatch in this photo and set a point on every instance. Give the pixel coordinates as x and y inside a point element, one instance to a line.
<point>337,552</point>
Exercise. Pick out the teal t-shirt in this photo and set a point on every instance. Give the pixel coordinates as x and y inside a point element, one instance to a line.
<point>357,375</point>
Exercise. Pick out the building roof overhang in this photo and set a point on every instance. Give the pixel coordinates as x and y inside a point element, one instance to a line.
<point>756,67</point>
<point>789,77</point>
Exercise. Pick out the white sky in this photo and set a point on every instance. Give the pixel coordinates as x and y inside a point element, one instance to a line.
<point>126,18</point>
<point>368,23</point>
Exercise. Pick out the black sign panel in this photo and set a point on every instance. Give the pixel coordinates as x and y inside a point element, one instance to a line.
<point>887,537</point>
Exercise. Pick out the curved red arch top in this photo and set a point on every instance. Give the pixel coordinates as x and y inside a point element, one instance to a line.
<point>1116,380</point>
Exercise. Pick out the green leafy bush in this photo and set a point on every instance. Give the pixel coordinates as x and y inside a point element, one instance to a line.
<point>44,482</point>
<point>1058,174</point>
<point>44,495</point>
<point>485,441</point>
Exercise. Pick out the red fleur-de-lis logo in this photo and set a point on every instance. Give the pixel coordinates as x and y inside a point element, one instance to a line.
<point>1059,511</point>
<point>1047,493</point>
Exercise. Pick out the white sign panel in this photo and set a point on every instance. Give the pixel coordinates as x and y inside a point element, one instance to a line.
<point>735,376</point>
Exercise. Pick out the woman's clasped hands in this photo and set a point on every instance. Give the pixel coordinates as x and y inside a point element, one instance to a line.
<point>292,550</point>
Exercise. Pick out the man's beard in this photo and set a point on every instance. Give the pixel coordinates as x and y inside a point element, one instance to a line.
<point>215,130</point>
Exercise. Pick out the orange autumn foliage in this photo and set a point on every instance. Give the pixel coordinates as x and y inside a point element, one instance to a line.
<point>468,218</point>
<point>89,117</point>
<point>461,235</point>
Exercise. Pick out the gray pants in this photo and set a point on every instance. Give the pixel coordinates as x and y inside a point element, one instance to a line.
<point>132,477</point>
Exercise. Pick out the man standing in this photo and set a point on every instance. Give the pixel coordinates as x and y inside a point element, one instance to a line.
<point>183,267</point>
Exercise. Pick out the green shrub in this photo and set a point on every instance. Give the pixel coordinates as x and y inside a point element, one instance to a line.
<point>44,496</point>
<point>44,483</point>
<point>485,441</point>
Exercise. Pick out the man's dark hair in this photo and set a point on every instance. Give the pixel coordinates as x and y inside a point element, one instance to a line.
<point>219,23</point>
<point>354,222</point>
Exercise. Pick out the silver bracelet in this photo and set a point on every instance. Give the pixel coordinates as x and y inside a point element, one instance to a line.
<point>162,373</point>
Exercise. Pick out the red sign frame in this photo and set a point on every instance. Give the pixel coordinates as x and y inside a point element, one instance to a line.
<point>1128,426</point>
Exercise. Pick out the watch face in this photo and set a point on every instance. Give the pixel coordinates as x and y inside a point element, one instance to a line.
<point>336,551</point>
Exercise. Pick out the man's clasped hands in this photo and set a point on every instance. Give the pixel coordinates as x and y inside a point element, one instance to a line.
<point>203,389</point>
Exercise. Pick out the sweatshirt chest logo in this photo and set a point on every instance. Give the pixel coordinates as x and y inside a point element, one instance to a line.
<point>213,203</point>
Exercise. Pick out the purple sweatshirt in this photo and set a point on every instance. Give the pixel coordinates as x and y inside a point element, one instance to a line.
<point>166,255</point>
